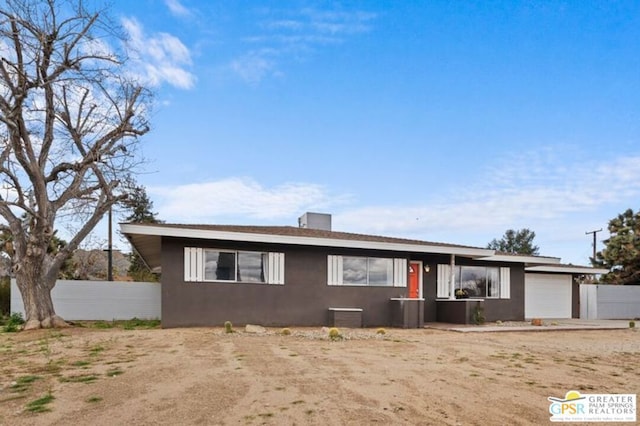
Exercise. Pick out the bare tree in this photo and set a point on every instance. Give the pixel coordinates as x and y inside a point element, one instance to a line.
<point>70,118</point>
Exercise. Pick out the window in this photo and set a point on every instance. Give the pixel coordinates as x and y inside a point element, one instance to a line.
<point>219,265</point>
<point>233,266</point>
<point>252,267</point>
<point>367,271</point>
<point>479,281</point>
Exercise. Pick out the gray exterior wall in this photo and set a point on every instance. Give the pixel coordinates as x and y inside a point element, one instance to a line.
<point>305,298</point>
<point>99,300</point>
<point>508,309</point>
<point>511,309</point>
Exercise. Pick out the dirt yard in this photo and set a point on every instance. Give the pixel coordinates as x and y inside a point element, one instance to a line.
<point>207,377</point>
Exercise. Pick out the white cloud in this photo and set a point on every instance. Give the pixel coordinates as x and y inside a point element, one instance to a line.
<point>159,58</point>
<point>177,9</point>
<point>339,22</point>
<point>520,195</point>
<point>286,34</point>
<point>237,199</point>
<point>254,66</point>
<point>542,191</point>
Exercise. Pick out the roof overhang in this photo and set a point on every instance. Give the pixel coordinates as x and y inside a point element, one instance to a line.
<point>566,269</point>
<point>147,241</point>
<point>148,247</point>
<point>529,260</point>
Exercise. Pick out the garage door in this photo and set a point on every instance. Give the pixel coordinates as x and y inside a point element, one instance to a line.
<point>547,296</point>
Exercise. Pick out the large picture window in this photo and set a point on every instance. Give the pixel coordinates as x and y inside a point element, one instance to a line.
<point>233,266</point>
<point>367,271</point>
<point>479,281</point>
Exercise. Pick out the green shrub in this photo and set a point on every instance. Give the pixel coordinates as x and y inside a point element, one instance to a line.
<point>381,331</point>
<point>102,324</point>
<point>285,332</point>
<point>334,333</point>
<point>478,315</point>
<point>632,324</point>
<point>13,323</point>
<point>137,323</point>
<point>228,327</point>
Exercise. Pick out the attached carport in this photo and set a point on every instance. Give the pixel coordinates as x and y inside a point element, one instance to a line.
<point>549,291</point>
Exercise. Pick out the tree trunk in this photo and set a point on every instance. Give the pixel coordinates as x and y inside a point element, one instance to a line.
<point>36,295</point>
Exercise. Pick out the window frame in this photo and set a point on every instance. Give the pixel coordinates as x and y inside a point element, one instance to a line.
<point>502,288</point>
<point>487,281</point>
<point>195,266</point>
<point>396,271</point>
<point>204,265</point>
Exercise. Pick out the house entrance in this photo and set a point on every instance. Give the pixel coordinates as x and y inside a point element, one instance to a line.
<point>415,269</point>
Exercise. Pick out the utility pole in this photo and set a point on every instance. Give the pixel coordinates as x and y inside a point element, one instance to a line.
<point>594,241</point>
<point>110,249</point>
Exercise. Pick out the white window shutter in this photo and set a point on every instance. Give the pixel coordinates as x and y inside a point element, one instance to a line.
<point>444,275</point>
<point>193,264</point>
<point>187,263</point>
<point>399,272</point>
<point>275,270</point>
<point>505,283</point>
<point>334,270</point>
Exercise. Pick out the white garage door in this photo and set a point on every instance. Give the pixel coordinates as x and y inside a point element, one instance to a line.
<point>547,296</point>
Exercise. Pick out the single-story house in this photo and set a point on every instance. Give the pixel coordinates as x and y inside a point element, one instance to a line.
<point>311,276</point>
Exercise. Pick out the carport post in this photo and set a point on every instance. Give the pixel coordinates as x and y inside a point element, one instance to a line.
<point>452,278</point>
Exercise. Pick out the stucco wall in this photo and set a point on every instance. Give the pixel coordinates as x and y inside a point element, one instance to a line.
<point>508,309</point>
<point>303,300</point>
<point>511,309</point>
<point>305,297</point>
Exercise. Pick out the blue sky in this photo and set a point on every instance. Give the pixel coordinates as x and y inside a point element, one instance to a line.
<point>437,120</point>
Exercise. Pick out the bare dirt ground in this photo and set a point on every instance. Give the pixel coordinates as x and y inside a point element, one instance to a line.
<point>204,376</point>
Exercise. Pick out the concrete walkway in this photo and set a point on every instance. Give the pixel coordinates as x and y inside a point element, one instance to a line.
<point>548,325</point>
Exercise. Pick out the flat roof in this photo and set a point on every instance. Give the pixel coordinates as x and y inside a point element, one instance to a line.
<point>566,269</point>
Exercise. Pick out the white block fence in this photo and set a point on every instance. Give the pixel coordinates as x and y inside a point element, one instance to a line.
<point>99,300</point>
<point>599,301</point>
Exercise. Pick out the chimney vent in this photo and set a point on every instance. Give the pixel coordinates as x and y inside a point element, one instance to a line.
<point>320,221</point>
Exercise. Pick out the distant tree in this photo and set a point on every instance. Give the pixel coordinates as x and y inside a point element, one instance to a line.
<point>55,245</point>
<point>520,242</point>
<point>621,254</point>
<point>140,206</point>
<point>90,265</point>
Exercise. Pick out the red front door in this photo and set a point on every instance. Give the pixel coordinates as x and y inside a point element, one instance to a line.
<point>414,280</point>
